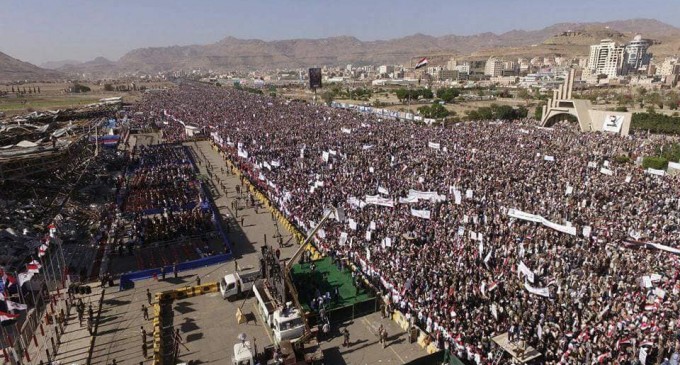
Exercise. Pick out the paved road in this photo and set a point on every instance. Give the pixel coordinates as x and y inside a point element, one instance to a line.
<point>208,323</point>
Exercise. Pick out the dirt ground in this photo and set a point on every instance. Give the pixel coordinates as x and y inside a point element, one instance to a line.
<point>54,96</point>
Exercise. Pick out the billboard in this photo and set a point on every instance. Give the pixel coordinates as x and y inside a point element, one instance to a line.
<point>315,78</point>
<point>613,123</point>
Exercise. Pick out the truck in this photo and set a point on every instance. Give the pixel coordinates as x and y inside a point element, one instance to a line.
<point>237,283</point>
<point>285,321</point>
<point>243,355</point>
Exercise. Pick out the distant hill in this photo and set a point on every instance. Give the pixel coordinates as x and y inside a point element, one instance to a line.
<point>569,39</point>
<point>53,65</point>
<point>12,69</point>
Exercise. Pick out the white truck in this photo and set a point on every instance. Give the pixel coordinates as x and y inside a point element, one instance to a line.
<point>237,283</point>
<point>287,324</point>
<point>243,355</point>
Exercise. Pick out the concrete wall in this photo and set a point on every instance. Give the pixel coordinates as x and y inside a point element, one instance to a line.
<point>597,118</point>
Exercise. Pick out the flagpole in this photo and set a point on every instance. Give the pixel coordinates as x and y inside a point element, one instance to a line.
<point>21,296</point>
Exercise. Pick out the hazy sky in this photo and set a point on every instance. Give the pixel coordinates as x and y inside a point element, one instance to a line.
<point>48,30</point>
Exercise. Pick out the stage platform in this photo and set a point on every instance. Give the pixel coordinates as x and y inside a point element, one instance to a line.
<point>529,353</point>
<point>326,278</point>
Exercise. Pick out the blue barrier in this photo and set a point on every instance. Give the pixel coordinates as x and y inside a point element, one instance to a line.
<point>127,280</point>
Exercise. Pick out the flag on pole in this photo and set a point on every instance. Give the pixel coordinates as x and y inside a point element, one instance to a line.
<point>11,306</point>
<point>24,277</point>
<point>42,249</point>
<point>4,316</point>
<point>33,267</point>
<point>421,63</point>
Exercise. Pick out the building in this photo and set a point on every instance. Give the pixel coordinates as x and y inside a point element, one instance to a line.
<point>606,58</point>
<point>636,54</point>
<point>451,64</point>
<point>447,75</point>
<point>493,67</point>
<point>463,69</point>
<point>667,66</point>
<point>385,69</point>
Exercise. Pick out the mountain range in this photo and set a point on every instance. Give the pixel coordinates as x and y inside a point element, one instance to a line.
<point>229,54</point>
<point>12,69</point>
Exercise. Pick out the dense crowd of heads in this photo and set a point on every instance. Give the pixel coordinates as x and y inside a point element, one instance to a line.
<point>457,273</point>
<point>163,195</point>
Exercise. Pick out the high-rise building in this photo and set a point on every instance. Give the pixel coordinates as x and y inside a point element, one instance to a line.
<point>606,58</point>
<point>636,53</point>
<point>493,67</point>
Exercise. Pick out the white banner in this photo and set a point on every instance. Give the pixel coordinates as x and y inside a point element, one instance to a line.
<point>352,224</point>
<point>343,238</point>
<point>592,164</point>
<point>408,199</point>
<point>420,213</point>
<point>544,292</point>
<point>525,216</point>
<point>436,146</point>
<point>324,156</point>
<point>538,219</point>
<point>382,190</point>
<point>586,231</point>
<point>276,163</point>
<point>346,130</point>
<point>606,171</point>
<point>378,200</point>
<point>458,197</point>
<point>549,158</point>
<point>242,153</point>
<point>526,271</point>
<point>655,172</point>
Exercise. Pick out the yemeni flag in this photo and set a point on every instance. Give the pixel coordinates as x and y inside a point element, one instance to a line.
<point>421,63</point>
<point>33,267</point>
<point>4,316</point>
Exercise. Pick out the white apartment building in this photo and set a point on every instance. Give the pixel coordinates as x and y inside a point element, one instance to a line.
<point>385,69</point>
<point>606,58</point>
<point>493,67</point>
<point>667,66</point>
<point>463,69</point>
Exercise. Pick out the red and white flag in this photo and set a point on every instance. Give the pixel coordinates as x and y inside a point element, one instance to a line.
<point>42,249</point>
<point>4,316</point>
<point>33,267</point>
<point>422,63</point>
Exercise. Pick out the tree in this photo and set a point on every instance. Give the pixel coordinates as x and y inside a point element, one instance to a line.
<point>672,100</point>
<point>12,88</point>
<point>435,110</point>
<point>108,87</point>
<point>327,97</point>
<point>523,94</point>
<point>655,99</point>
<point>401,94</point>
<point>426,93</point>
<point>538,112</point>
<point>39,92</point>
<point>448,94</point>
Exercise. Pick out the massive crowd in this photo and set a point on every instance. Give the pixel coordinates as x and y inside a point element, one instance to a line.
<point>439,217</point>
<point>163,195</point>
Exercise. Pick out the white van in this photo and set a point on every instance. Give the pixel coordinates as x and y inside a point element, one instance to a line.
<point>238,283</point>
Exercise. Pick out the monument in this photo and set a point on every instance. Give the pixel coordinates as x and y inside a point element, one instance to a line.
<point>589,119</point>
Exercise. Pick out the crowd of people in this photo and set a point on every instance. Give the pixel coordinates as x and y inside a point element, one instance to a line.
<point>550,235</point>
<point>163,178</point>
